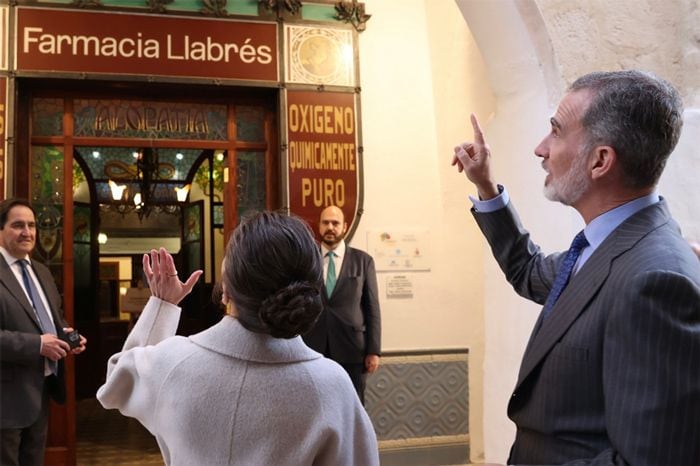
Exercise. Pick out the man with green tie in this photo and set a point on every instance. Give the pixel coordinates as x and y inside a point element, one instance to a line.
<point>349,328</point>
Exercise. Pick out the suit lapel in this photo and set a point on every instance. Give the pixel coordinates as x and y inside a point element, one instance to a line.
<point>9,281</point>
<point>345,267</point>
<point>586,283</point>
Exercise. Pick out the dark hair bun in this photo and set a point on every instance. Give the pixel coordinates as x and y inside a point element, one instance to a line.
<point>292,310</point>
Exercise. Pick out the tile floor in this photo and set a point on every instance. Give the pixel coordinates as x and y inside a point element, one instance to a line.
<point>105,437</point>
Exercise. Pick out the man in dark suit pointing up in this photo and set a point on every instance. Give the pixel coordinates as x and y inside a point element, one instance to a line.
<point>349,328</point>
<point>611,374</point>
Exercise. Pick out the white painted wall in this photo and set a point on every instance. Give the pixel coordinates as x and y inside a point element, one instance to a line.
<point>421,76</point>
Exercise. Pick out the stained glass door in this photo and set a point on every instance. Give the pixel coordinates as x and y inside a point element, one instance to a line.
<point>224,151</point>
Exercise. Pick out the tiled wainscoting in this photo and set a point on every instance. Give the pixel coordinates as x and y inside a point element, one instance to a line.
<point>419,404</point>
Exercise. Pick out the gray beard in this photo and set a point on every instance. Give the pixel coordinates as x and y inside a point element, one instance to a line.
<point>572,186</point>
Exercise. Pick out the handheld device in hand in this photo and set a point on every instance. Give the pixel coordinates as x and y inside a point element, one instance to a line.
<point>72,338</point>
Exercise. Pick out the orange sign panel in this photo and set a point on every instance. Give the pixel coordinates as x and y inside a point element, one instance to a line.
<point>322,154</point>
<point>139,44</point>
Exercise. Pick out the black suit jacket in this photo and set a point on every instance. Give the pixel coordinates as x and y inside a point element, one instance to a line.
<point>612,376</point>
<point>349,327</point>
<point>21,366</point>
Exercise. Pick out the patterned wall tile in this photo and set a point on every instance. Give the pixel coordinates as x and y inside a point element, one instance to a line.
<point>420,397</point>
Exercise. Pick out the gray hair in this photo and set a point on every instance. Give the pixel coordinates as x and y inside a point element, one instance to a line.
<point>637,114</point>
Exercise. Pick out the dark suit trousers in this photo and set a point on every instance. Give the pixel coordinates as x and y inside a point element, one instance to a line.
<point>25,446</point>
<point>357,377</point>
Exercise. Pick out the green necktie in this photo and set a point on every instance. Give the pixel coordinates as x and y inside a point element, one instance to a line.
<point>330,276</point>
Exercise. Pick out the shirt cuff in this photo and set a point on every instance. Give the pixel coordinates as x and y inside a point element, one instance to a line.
<point>493,204</point>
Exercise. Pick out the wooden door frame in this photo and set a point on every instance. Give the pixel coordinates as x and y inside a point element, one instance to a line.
<point>62,420</point>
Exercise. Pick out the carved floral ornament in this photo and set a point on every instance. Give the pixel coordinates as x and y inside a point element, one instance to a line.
<point>352,12</point>
<point>292,6</point>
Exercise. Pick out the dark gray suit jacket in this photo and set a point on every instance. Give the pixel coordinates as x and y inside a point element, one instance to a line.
<point>612,376</point>
<point>21,366</point>
<point>350,324</point>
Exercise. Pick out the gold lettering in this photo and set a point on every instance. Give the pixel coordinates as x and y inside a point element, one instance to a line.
<point>305,190</point>
<point>314,155</point>
<point>158,120</point>
<point>322,192</point>
<point>321,119</point>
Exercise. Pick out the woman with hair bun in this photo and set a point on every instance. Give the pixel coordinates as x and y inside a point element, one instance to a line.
<point>246,391</point>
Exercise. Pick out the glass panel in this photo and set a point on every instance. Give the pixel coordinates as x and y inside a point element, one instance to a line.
<point>47,197</point>
<point>84,288</point>
<point>81,189</point>
<point>250,123</point>
<point>83,276</point>
<point>193,255</point>
<point>251,182</point>
<point>193,228</point>
<point>203,177</point>
<point>218,215</point>
<point>47,117</point>
<point>153,120</point>
<point>47,174</point>
<point>120,164</point>
<point>81,224</point>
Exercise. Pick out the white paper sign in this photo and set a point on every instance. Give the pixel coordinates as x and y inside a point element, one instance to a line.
<point>399,287</point>
<point>399,250</point>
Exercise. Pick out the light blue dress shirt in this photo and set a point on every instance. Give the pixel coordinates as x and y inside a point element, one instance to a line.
<point>596,231</point>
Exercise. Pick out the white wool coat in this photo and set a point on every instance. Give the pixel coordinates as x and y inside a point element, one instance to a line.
<point>228,396</point>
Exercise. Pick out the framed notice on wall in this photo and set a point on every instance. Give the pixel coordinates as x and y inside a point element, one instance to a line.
<point>399,250</point>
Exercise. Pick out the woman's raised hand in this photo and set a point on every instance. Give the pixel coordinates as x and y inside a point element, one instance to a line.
<point>163,281</point>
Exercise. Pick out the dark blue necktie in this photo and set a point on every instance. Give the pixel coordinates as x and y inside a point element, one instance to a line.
<point>564,273</point>
<point>42,313</point>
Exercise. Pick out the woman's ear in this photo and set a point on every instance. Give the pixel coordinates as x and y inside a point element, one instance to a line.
<point>225,299</point>
<point>604,161</point>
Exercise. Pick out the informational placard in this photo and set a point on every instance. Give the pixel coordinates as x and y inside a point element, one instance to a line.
<point>399,250</point>
<point>399,287</point>
<point>58,40</point>
<point>322,154</point>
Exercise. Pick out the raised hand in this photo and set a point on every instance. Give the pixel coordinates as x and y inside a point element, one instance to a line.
<point>162,277</point>
<point>474,159</point>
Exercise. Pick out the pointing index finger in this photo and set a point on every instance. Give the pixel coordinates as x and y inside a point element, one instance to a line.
<point>478,134</point>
